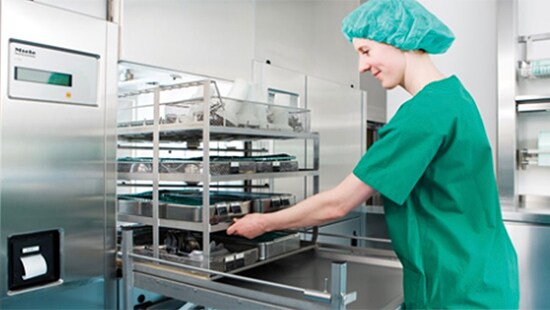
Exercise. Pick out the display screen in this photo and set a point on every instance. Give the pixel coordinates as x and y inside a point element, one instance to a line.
<point>42,76</point>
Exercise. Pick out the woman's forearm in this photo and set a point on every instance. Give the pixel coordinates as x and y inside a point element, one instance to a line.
<point>318,209</point>
<point>315,210</point>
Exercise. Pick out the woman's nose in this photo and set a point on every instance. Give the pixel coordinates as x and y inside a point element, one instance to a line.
<point>364,66</point>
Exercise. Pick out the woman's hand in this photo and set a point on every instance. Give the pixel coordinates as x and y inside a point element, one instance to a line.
<point>250,226</point>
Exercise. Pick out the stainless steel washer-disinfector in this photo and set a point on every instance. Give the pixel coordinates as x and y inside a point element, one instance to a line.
<point>57,153</point>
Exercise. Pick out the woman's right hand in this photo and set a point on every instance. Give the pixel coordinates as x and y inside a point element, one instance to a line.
<point>250,226</point>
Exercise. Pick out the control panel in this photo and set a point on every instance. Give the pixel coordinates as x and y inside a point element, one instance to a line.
<point>52,74</point>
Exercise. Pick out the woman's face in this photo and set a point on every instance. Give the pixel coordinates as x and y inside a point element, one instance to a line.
<point>385,62</point>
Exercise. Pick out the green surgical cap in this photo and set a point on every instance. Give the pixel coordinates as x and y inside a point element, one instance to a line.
<point>405,24</point>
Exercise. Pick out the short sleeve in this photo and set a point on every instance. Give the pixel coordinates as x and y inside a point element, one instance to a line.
<point>396,162</point>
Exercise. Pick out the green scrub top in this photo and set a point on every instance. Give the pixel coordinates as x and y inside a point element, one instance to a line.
<point>433,167</point>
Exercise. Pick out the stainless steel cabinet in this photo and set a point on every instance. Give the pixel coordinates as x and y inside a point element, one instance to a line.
<point>57,110</point>
<point>532,244</point>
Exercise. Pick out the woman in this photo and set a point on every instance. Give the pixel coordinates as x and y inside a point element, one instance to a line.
<point>432,165</point>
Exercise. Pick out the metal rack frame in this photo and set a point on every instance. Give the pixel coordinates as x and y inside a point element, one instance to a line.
<point>206,132</point>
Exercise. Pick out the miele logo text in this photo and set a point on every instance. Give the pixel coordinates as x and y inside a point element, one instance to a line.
<point>25,52</point>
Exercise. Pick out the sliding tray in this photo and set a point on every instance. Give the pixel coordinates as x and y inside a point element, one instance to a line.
<point>259,164</point>
<point>269,245</point>
<point>267,202</point>
<point>230,257</point>
<point>184,205</point>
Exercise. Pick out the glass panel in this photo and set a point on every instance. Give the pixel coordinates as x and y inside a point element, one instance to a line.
<point>45,77</point>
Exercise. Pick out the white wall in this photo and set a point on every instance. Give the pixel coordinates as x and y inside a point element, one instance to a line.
<point>472,58</point>
<point>95,8</point>
<point>209,37</point>
<point>533,16</point>
<point>221,38</point>
<point>332,56</point>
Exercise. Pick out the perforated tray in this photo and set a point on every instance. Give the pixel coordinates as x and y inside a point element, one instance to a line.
<point>184,205</point>
<point>269,245</point>
<point>170,165</point>
<point>240,255</point>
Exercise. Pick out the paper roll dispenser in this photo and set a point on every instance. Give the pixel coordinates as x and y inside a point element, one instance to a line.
<point>34,260</point>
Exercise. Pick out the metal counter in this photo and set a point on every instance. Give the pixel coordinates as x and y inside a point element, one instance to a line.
<point>528,209</point>
<point>528,224</point>
<point>526,217</point>
<point>377,281</point>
